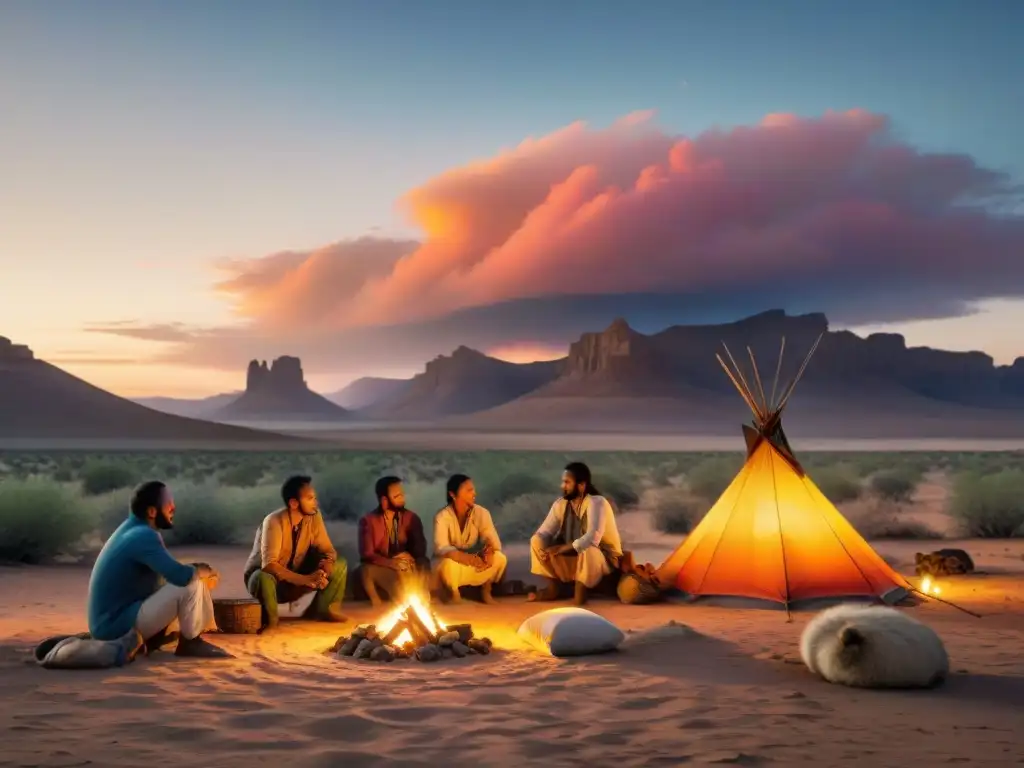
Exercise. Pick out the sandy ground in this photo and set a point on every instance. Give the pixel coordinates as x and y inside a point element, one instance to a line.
<point>731,692</point>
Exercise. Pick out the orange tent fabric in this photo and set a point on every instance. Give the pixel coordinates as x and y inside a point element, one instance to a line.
<point>774,536</point>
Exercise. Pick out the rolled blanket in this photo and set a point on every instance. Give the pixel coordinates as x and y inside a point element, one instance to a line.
<point>81,651</point>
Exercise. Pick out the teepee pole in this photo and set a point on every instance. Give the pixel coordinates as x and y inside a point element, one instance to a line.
<point>739,387</point>
<point>757,380</point>
<point>778,370</point>
<point>746,387</point>
<point>799,374</point>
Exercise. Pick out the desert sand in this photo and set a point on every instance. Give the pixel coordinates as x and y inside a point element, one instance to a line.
<point>729,688</point>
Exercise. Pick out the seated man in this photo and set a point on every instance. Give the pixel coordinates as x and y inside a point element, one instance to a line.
<point>578,542</point>
<point>127,590</point>
<point>392,546</point>
<point>458,529</point>
<point>292,556</point>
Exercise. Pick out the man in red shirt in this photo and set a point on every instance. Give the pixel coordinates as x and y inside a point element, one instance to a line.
<point>392,546</point>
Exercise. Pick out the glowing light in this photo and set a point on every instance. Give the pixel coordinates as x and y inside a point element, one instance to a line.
<point>415,603</point>
<point>928,587</point>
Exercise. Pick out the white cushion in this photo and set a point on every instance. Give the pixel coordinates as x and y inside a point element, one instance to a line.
<point>570,632</point>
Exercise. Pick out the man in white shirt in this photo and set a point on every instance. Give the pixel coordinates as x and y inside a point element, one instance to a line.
<point>459,529</point>
<point>578,542</point>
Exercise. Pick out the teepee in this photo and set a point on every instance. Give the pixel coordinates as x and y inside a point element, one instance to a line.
<point>773,535</point>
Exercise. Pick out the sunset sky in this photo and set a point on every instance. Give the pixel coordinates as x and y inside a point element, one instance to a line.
<point>187,185</point>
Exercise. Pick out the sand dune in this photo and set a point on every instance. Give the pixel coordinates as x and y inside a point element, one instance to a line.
<point>730,691</point>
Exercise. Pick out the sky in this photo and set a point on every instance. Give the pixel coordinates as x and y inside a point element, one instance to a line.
<point>185,186</point>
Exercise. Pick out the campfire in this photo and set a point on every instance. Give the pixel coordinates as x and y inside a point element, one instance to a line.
<point>412,631</point>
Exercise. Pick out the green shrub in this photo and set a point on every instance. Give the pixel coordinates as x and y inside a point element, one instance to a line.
<point>218,515</point>
<point>895,484</point>
<point>619,488</point>
<point>677,512</point>
<point>40,519</point>
<point>711,477</point>
<point>519,518</point>
<point>103,476</point>
<point>838,483</point>
<point>990,506</point>
<point>885,522</point>
<point>346,491</point>
<point>244,475</point>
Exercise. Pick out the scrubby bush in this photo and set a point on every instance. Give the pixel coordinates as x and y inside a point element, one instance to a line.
<point>838,483</point>
<point>711,477</point>
<point>245,475</point>
<point>896,484</point>
<point>620,488</point>
<point>105,476</point>
<point>519,518</point>
<point>40,519</point>
<point>677,512</point>
<point>213,514</point>
<point>345,490</point>
<point>883,521</point>
<point>990,506</point>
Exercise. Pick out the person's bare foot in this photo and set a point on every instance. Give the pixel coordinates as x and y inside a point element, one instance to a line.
<point>333,614</point>
<point>199,648</point>
<point>454,597</point>
<point>546,595</point>
<point>580,596</point>
<point>485,594</point>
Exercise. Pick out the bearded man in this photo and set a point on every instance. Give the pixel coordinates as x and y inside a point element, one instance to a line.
<point>292,555</point>
<point>392,546</point>
<point>137,587</point>
<point>578,542</point>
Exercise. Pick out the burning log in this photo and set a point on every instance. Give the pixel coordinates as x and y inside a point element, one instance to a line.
<point>418,629</point>
<point>400,626</point>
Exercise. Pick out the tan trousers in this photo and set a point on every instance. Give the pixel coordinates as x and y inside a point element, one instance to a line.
<point>455,575</point>
<point>591,564</point>
<point>187,609</point>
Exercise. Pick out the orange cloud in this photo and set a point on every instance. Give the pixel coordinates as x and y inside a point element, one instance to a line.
<point>832,210</point>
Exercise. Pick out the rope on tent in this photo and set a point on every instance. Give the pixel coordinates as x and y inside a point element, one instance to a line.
<point>915,590</point>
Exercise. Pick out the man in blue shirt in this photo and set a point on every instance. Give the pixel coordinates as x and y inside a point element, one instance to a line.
<point>137,584</point>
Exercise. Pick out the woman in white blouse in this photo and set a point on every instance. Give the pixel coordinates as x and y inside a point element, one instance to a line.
<point>466,544</point>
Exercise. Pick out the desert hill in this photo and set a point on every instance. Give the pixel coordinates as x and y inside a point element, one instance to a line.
<point>466,381</point>
<point>620,379</point>
<point>198,408</point>
<point>39,401</point>
<point>278,392</point>
<point>367,391</point>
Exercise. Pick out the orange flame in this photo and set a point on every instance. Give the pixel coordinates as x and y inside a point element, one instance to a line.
<point>413,602</point>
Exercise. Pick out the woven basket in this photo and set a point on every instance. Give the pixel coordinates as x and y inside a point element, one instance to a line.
<point>238,616</point>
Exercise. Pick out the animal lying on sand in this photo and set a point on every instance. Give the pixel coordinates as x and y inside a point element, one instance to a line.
<point>872,646</point>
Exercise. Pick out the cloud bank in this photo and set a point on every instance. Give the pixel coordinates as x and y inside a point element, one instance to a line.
<point>563,233</point>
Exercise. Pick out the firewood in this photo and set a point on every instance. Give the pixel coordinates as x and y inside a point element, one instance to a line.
<point>400,626</point>
<point>418,628</point>
<point>465,631</point>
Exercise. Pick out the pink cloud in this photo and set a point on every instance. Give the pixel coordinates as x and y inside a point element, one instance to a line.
<point>834,204</point>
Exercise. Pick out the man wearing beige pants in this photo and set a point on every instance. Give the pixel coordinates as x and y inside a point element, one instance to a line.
<point>578,542</point>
